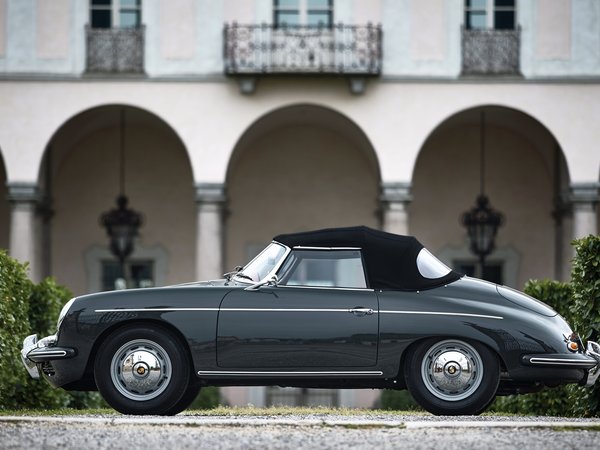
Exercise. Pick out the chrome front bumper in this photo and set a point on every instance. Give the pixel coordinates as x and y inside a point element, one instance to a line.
<point>593,350</point>
<point>35,352</point>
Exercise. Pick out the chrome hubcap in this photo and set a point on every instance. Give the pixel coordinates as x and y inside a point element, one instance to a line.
<point>141,370</point>
<point>452,370</point>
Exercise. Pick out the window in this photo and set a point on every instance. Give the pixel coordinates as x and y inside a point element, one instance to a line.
<point>492,270</point>
<point>494,14</point>
<point>318,13</point>
<point>324,268</point>
<point>140,274</point>
<point>115,13</point>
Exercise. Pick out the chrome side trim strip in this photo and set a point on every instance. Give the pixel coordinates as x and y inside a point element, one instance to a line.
<point>285,310</point>
<point>226,309</point>
<point>153,309</point>
<point>325,287</point>
<point>439,313</point>
<point>288,373</point>
<point>559,361</point>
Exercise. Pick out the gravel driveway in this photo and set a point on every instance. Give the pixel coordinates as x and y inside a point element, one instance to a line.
<point>298,432</point>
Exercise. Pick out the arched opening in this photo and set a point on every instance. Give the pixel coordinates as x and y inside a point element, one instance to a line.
<point>298,168</point>
<point>4,207</point>
<point>80,178</point>
<point>526,178</point>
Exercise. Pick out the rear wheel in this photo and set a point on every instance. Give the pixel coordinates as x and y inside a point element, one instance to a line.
<point>141,370</point>
<point>452,376</point>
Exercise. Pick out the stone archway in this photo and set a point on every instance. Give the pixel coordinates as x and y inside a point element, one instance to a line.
<point>526,178</point>
<point>80,178</point>
<point>297,168</point>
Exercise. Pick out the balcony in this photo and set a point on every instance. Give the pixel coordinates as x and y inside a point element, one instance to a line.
<point>352,50</point>
<point>490,52</point>
<point>115,50</point>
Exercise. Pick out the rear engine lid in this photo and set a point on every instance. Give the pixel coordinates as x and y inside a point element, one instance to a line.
<point>525,301</point>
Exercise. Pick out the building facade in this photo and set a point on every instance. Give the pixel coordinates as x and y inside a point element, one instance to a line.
<point>226,122</point>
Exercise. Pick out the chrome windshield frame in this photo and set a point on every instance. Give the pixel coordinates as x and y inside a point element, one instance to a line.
<point>273,271</point>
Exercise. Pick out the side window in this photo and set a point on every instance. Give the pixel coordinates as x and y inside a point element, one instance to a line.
<point>324,268</point>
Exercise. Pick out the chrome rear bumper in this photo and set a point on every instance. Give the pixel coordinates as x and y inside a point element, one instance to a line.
<point>589,361</point>
<point>35,352</point>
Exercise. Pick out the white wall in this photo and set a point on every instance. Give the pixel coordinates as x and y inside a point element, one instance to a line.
<point>211,117</point>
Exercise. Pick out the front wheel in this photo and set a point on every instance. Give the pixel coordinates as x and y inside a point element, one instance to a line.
<point>141,370</point>
<point>452,376</point>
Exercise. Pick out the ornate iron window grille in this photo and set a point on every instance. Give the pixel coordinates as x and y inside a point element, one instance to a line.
<point>490,52</point>
<point>115,50</point>
<point>302,49</point>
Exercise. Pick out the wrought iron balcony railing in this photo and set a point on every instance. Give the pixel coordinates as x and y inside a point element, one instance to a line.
<point>115,50</point>
<point>265,49</point>
<point>490,52</point>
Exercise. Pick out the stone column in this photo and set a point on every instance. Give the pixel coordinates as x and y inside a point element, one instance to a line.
<point>210,200</point>
<point>395,198</point>
<point>24,239</point>
<point>584,200</point>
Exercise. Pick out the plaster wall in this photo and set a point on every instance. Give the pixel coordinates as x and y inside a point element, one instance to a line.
<point>414,45</point>
<point>52,37</point>
<point>183,38</point>
<point>396,118</point>
<point>43,36</point>
<point>158,184</point>
<point>446,183</point>
<point>2,28</point>
<point>560,38</point>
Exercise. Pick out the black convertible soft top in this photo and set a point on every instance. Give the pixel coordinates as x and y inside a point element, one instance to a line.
<point>390,259</point>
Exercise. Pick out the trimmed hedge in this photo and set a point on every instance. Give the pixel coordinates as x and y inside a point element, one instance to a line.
<point>27,308</point>
<point>585,310</point>
<point>15,289</point>
<point>579,303</point>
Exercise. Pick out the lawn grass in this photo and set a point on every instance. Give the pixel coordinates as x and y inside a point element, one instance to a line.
<point>227,411</point>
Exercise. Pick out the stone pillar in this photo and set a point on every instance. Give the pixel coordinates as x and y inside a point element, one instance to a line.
<point>584,200</point>
<point>395,198</point>
<point>210,200</point>
<point>24,239</point>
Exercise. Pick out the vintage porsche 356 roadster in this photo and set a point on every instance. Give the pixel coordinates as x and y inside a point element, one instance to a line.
<point>335,308</point>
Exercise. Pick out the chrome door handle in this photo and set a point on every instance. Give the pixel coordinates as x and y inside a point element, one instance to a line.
<point>358,311</point>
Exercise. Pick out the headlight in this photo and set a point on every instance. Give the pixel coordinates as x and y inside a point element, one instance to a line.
<point>63,313</point>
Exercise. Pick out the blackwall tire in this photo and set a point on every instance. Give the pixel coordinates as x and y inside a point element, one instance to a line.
<point>186,400</point>
<point>452,376</point>
<point>142,370</point>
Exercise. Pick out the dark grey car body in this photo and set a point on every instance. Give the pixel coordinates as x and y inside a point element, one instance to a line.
<point>268,333</point>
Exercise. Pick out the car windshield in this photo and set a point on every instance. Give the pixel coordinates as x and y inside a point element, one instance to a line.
<point>261,266</point>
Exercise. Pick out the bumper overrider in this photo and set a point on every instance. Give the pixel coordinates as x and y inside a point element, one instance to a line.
<point>588,360</point>
<point>39,354</point>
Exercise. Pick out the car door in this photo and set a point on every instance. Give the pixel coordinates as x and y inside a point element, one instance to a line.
<point>320,315</point>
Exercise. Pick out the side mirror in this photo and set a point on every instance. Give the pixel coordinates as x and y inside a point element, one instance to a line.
<point>273,281</point>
